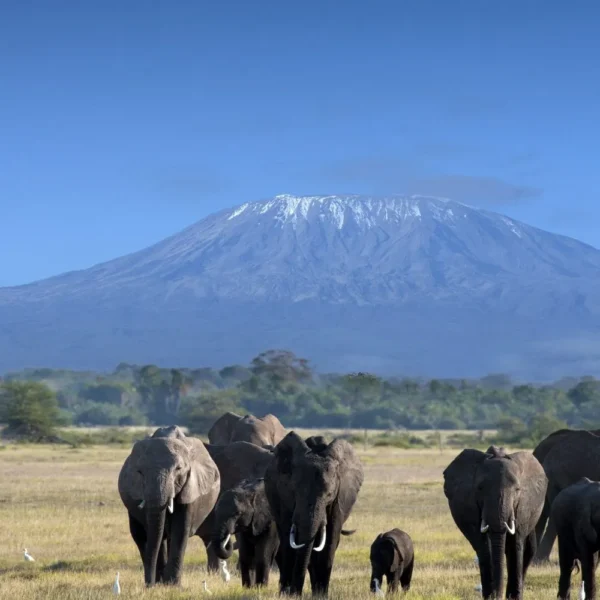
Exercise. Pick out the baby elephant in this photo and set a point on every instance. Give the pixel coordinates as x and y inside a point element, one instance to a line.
<point>575,513</point>
<point>245,512</point>
<point>392,555</point>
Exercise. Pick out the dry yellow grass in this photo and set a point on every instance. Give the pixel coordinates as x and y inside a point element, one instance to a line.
<point>63,506</point>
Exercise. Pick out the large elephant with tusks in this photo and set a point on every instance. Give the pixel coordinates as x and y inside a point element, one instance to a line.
<point>169,484</point>
<point>496,500</point>
<point>311,487</point>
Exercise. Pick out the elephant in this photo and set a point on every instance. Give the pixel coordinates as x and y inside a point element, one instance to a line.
<point>541,451</point>
<point>261,431</point>
<point>492,494</point>
<point>236,462</point>
<point>244,510</point>
<point>169,484</point>
<point>311,488</point>
<point>575,514</point>
<point>392,555</point>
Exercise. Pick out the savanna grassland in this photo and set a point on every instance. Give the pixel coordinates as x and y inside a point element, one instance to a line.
<point>62,505</point>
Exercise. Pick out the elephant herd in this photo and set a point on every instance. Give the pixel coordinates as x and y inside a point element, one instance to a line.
<point>286,500</point>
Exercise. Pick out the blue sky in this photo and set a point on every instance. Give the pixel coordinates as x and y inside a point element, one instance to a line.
<point>123,122</point>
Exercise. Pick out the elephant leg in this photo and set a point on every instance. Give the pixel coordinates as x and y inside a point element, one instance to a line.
<point>484,556</point>
<point>321,563</point>
<point>287,560</point>
<point>545,545</point>
<point>138,533</point>
<point>529,552</point>
<point>515,548</point>
<point>161,563</point>
<point>406,576</point>
<point>541,524</point>
<point>245,573</point>
<point>179,534</point>
<point>566,560</point>
<point>589,563</point>
<point>392,582</point>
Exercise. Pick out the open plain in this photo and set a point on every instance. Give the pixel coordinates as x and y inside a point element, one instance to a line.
<point>62,505</point>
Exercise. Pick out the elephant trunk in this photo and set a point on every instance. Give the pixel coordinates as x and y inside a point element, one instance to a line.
<point>159,492</point>
<point>309,526</point>
<point>155,527</point>
<point>221,541</point>
<point>498,540</point>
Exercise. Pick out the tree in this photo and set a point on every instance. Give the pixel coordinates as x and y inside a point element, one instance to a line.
<point>198,414</point>
<point>281,367</point>
<point>362,388</point>
<point>30,411</point>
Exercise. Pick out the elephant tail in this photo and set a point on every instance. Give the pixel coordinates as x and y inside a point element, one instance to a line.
<point>348,531</point>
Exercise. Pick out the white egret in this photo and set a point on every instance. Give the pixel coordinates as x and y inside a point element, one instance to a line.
<point>225,575</point>
<point>117,586</point>
<point>27,556</point>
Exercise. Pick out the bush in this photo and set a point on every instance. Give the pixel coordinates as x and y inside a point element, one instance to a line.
<point>30,411</point>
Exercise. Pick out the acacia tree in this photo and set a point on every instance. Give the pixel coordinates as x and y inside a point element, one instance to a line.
<point>30,411</point>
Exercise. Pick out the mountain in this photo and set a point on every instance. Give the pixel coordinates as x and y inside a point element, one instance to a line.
<point>405,285</point>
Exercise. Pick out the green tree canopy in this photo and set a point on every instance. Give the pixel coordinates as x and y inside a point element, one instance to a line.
<point>30,411</point>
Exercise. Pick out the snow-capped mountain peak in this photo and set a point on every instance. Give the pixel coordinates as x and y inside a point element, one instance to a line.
<point>363,211</point>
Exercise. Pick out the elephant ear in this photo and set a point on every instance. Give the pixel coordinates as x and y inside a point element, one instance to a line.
<point>460,473</point>
<point>350,473</point>
<point>291,446</point>
<point>130,482</point>
<point>391,540</point>
<point>203,478</point>
<point>261,517</point>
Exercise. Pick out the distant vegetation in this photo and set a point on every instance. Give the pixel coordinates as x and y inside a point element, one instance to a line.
<point>33,403</point>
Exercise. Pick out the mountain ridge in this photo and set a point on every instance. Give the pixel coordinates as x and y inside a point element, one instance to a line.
<point>407,257</point>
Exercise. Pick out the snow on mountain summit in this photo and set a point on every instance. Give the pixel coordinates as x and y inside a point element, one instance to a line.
<point>364,211</point>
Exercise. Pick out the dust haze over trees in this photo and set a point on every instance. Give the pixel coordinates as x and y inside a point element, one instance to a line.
<point>279,382</point>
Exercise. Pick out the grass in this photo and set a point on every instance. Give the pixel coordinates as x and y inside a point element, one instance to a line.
<point>62,505</point>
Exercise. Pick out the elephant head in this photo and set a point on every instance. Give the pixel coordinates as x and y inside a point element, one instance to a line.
<point>162,475</point>
<point>243,507</point>
<point>385,558</point>
<point>326,480</point>
<point>222,429</point>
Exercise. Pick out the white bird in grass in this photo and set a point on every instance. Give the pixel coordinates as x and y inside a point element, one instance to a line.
<point>476,560</point>
<point>582,592</point>
<point>378,591</point>
<point>117,586</point>
<point>27,556</point>
<point>206,590</point>
<point>225,575</point>
<point>478,588</point>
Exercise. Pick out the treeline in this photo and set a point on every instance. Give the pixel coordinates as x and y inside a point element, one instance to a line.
<point>281,383</point>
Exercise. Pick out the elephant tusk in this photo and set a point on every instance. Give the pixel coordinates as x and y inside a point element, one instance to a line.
<point>323,539</point>
<point>224,544</point>
<point>484,526</point>
<point>141,504</point>
<point>208,545</point>
<point>170,506</point>
<point>293,539</point>
<point>510,529</point>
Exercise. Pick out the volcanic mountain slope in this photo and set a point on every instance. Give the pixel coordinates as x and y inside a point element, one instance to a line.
<point>403,284</point>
